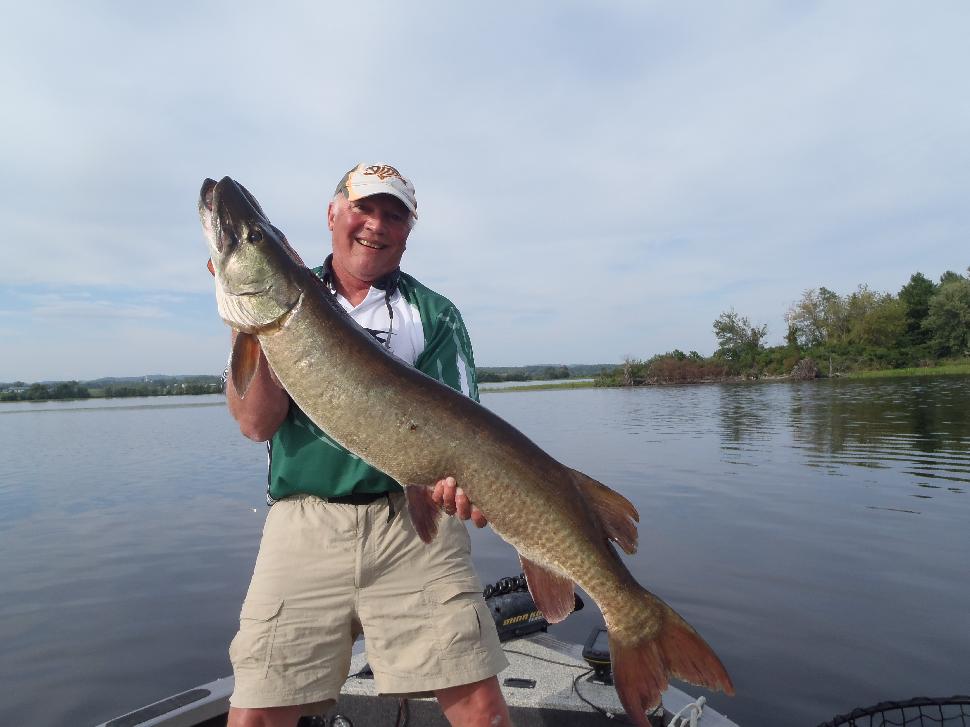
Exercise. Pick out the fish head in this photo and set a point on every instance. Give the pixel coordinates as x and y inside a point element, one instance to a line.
<point>256,270</point>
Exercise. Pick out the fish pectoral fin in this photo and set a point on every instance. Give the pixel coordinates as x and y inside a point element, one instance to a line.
<point>245,362</point>
<point>552,592</point>
<point>617,514</point>
<point>424,511</point>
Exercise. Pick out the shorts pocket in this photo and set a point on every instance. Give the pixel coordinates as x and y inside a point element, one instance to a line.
<point>457,613</point>
<point>252,646</point>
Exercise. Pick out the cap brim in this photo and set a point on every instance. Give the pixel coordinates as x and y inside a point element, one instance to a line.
<point>360,191</point>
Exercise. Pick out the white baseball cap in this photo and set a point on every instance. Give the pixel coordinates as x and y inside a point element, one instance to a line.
<point>366,180</point>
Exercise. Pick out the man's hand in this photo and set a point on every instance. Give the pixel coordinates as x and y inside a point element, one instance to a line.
<point>450,497</point>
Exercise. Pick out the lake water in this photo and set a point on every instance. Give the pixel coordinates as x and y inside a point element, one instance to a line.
<point>816,534</point>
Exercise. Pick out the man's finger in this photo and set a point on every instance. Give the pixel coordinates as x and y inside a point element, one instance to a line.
<point>447,488</point>
<point>463,506</point>
<point>478,517</point>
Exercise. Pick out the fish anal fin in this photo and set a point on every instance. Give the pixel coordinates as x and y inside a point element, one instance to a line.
<point>553,593</point>
<point>424,511</point>
<point>617,514</point>
<point>245,362</point>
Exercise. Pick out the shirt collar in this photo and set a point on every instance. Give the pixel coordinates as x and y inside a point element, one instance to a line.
<point>388,283</point>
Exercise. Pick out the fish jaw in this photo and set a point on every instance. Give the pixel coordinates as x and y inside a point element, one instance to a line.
<point>256,275</point>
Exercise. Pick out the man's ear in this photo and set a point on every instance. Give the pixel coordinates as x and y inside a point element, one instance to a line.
<point>330,215</point>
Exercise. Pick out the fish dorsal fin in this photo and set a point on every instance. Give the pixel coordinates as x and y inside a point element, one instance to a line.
<point>617,514</point>
<point>424,511</point>
<point>552,592</point>
<point>245,362</point>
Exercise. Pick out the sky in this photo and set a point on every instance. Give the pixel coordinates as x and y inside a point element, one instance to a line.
<point>595,180</point>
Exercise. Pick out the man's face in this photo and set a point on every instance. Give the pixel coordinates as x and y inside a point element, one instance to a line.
<point>369,235</point>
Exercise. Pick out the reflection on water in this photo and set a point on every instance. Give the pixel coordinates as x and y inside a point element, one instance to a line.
<point>920,427</point>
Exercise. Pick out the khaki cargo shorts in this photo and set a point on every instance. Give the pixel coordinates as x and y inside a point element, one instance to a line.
<point>328,572</point>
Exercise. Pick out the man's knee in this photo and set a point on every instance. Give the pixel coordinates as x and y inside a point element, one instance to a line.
<point>479,704</point>
<point>267,717</point>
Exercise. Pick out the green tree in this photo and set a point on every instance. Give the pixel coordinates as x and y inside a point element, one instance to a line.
<point>805,320</point>
<point>818,317</point>
<point>37,391</point>
<point>883,324</point>
<point>948,319</point>
<point>873,319</point>
<point>915,297</point>
<point>835,315</point>
<point>551,373</point>
<point>737,340</point>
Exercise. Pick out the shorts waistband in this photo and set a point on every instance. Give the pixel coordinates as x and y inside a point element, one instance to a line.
<point>357,498</point>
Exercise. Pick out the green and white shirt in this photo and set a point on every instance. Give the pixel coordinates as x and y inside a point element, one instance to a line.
<point>417,325</point>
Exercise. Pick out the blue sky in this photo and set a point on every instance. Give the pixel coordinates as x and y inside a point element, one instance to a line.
<point>595,181</point>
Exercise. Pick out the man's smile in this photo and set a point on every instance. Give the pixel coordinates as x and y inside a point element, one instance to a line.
<point>370,244</point>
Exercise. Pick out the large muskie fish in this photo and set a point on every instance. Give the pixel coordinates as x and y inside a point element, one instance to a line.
<point>418,430</point>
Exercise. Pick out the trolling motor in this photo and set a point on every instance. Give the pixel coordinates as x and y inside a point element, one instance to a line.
<point>515,615</point>
<point>596,651</point>
<point>513,610</point>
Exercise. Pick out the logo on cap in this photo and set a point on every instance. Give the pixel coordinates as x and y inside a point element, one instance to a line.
<point>383,171</point>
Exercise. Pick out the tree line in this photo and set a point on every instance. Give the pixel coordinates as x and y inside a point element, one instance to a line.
<point>926,322</point>
<point>20,391</point>
<point>522,373</point>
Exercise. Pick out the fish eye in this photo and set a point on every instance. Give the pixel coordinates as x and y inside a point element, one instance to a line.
<point>255,234</point>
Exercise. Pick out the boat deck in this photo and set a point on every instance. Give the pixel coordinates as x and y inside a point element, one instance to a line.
<point>546,683</point>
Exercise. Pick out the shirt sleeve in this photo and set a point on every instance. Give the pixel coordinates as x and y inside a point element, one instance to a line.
<point>448,355</point>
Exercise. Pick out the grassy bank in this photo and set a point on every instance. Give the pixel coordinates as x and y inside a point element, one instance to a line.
<point>948,369</point>
<point>962,367</point>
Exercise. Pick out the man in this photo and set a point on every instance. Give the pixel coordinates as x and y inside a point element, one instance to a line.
<point>339,555</point>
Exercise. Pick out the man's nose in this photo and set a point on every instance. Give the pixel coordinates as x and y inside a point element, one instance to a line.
<point>376,222</point>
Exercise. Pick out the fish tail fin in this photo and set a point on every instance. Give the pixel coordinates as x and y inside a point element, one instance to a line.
<point>641,668</point>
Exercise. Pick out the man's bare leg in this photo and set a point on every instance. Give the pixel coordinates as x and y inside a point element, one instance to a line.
<point>479,704</point>
<point>268,717</point>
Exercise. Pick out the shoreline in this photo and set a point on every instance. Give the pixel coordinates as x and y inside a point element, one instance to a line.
<point>953,369</point>
<point>957,369</point>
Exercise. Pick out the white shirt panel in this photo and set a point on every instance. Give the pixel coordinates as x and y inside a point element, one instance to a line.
<point>407,333</point>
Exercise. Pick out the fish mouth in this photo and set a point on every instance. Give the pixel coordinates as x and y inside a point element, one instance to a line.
<point>205,194</point>
<point>256,291</point>
<point>206,215</point>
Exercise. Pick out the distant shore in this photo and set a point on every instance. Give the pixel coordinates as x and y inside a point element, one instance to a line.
<point>953,369</point>
<point>199,388</point>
